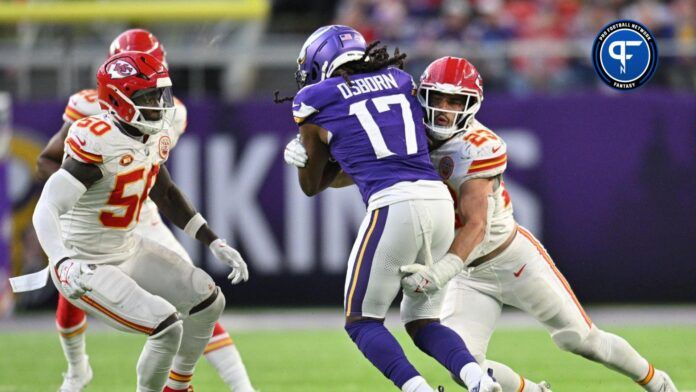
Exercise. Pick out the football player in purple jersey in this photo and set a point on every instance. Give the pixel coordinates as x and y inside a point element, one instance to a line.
<point>358,114</point>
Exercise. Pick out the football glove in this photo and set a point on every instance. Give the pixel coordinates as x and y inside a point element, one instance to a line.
<point>487,384</point>
<point>295,153</point>
<point>426,280</point>
<point>231,257</point>
<point>74,278</point>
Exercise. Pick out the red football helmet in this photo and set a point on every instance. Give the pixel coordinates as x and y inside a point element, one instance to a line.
<point>447,77</point>
<point>135,88</point>
<point>139,40</point>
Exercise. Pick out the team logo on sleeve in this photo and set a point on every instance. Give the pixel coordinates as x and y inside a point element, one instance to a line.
<point>446,167</point>
<point>625,54</point>
<point>164,144</point>
<point>120,69</point>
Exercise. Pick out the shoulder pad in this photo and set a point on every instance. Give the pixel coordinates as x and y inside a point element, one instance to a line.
<point>81,104</point>
<point>305,104</point>
<point>404,80</point>
<point>88,139</point>
<point>486,151</point>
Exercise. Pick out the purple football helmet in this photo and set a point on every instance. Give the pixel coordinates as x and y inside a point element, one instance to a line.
<point>325,50</point>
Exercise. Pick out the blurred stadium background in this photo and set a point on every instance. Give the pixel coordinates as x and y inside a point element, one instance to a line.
<point>606,179</point>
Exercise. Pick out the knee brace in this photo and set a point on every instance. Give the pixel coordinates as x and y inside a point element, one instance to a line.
<point>211,308</point>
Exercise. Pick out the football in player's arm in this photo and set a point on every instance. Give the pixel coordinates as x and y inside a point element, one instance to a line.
<point>319,172</point>
<point>471,159</point>
<point>360,110</point>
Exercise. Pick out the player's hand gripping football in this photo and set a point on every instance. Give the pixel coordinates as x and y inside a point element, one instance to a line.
<point>426,280</point>
<point>231,257</point>
<point>74,278</point>
<point>295,153</point>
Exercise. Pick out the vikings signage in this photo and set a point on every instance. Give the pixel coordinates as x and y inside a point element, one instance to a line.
<point>602,180</point>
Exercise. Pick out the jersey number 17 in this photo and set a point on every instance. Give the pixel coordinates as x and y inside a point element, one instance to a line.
<point>359,109</point>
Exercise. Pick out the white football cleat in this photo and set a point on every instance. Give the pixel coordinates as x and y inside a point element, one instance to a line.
<point>76,381</point>
<point>667,383</point>
<point>545,386</point>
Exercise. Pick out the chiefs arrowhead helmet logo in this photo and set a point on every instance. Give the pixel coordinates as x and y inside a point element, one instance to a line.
<point>120,69</point>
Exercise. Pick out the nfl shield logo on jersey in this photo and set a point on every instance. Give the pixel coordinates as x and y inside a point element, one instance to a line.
<point>446,167</point>
<point>164,144</point>
<point>126,160</point>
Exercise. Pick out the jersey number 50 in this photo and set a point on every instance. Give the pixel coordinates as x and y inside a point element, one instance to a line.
<point>132,203</point>
<point>359,109</point>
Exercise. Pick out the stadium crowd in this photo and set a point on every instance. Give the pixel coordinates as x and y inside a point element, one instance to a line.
<point>523,45</point>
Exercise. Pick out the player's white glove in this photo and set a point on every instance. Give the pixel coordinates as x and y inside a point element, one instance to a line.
<point>74,278</point>
<point>427,280</point>
<point>295,153</point>
<point>487,384</point>
<point>231,257</point>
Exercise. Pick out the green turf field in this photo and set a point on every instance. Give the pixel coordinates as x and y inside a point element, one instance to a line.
<point>307,361</point>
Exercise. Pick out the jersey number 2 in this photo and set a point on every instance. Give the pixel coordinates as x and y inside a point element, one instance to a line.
<point>359,109</point>
<point>132,203</point>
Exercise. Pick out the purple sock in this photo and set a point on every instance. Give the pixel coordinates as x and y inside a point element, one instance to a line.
<point>382,349</point>
<point>444,345</point>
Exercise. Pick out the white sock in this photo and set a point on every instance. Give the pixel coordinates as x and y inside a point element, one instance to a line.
<point>228,363</point>
<point>157,357</point>
<point>72,340</point>
<point>417,384</point>
<point>509,379</point>
<point>471,374</point>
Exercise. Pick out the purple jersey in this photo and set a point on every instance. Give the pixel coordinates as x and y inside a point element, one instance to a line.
<point>375,124</point>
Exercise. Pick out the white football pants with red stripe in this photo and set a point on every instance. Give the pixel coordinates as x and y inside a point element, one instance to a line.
<point>140,294</point>
<point>525,277</point>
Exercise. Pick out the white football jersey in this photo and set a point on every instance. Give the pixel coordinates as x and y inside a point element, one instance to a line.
<point>85,103</point>
<point>478,153</point>
<point>100,225</point>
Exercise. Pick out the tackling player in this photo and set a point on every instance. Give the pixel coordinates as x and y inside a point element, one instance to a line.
<point>507,264</point>
<point>71,321</point>
<point>356,107</point>
<point>87,213</point>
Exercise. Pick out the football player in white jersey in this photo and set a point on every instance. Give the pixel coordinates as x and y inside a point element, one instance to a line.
<point>88,210</point>
<point>505,263</point>
<point>71,321</point>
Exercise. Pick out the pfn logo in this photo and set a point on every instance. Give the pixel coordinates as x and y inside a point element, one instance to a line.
<point>625,54</point>
<point>621,55</point>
